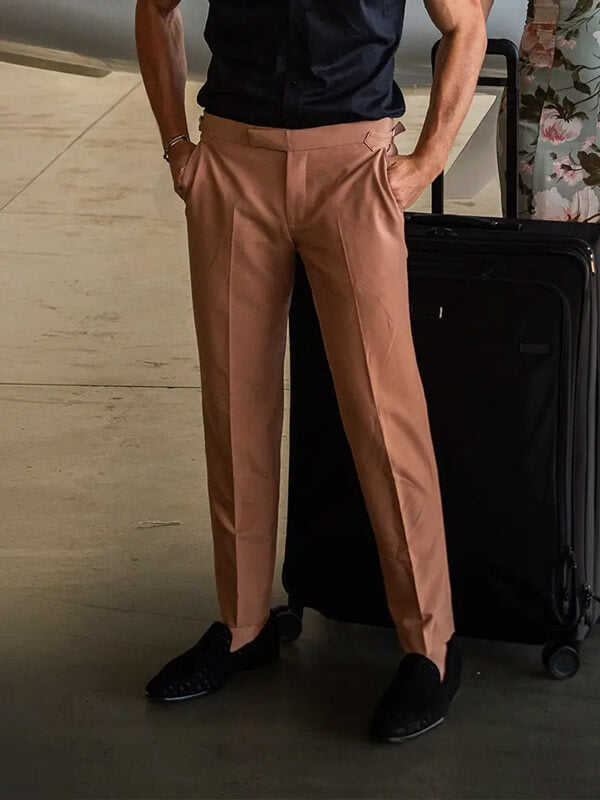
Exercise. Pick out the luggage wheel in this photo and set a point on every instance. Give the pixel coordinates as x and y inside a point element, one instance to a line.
<point>289,622</point>
<point>561,658</point>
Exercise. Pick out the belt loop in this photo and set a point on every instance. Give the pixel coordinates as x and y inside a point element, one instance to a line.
<point>374,140</point>
<point>368,139</point>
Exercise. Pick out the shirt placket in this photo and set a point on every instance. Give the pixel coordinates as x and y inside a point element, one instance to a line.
<point>292,95</point>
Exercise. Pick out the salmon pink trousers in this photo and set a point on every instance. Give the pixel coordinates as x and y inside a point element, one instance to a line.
<point>253,197</point>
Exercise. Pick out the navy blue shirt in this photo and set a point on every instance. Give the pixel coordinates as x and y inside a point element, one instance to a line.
<point>302,63</point>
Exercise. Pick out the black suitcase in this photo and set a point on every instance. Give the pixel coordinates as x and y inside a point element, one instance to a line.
<point>504,315</point>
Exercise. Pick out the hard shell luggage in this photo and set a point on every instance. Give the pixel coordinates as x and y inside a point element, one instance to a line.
<point>504,314</point>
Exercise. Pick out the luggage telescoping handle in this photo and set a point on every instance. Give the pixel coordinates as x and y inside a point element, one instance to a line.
<point>510,51</point>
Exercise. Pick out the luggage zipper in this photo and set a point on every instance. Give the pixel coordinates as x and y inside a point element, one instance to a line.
<point>589,595</point>
<point>592,258</point>
<point>565,594</point>
<point>584,621</point>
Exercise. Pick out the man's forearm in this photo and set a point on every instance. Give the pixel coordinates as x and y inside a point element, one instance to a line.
<point>458,65</point>
<point>161,55</point>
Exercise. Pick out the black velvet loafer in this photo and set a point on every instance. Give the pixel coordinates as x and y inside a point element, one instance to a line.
<point>208,665</point>
<point>417,700</point>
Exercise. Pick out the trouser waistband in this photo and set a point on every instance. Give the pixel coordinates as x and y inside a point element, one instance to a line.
<point>374,133</point>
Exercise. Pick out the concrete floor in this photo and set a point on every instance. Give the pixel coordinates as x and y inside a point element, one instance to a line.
<point>102,438</point>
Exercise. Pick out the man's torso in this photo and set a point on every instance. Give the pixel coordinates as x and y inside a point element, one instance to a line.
<point>302,63</point>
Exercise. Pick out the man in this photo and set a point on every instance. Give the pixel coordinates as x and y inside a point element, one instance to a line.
<point>297,153</point>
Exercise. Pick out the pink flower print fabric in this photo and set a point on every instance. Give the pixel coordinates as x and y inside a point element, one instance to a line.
<point>559,112</point>
<point>538,43</point>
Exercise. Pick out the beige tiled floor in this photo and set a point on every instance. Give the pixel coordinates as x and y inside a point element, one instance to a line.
<point>101,432</point>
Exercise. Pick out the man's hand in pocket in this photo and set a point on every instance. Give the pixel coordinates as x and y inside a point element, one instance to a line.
<point>409,176</point>
<point>179,157</point>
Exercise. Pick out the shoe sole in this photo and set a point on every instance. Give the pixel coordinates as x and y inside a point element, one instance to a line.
<point>397,739</point>
<point>180,698</point>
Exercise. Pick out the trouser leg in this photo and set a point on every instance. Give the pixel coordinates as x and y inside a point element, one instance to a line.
<point>353,248</point>
<point>241,266</point>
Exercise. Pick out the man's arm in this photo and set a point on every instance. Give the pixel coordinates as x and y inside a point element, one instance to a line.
<point>486,5</point>
<point>458,64</point>
<point>161,55</point>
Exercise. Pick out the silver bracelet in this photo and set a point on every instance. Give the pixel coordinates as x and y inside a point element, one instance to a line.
<point>174,140</point>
